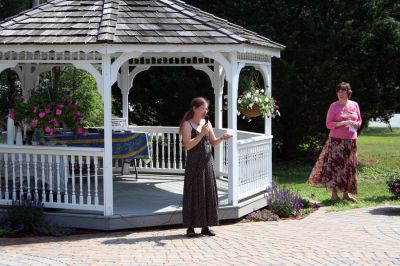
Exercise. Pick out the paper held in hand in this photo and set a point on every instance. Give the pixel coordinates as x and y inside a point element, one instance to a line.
<point>353,129</point>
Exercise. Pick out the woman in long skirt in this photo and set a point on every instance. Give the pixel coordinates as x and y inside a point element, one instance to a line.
<point>336,167</point>
<point>200,198</point>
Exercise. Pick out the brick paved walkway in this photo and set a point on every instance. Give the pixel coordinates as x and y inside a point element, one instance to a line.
<point>357,237</point>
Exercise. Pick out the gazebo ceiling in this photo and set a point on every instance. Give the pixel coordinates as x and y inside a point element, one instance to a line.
<point>124,22</point>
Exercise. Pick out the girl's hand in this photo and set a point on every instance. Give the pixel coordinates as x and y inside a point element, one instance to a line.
<point>205,129</point>
<point>226,137</point>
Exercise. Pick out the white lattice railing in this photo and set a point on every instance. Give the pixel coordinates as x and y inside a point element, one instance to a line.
<point>59,177</point>
<point>168,151</point>
<point>169,154</point>
<point>255,165</point>
<point>254,156</point>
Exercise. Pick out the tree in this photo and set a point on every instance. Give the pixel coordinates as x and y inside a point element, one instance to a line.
<point>326,42</point>
<point>9,8</point>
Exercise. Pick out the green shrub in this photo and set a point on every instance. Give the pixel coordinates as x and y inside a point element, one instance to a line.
<point>26,216</point>
<point>25,213</point>
<point>282,208</point>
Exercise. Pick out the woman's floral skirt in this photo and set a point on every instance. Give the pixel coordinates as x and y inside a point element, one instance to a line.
<point>336,166</point>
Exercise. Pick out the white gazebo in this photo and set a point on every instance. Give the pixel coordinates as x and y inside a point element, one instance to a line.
<point>114,40</point>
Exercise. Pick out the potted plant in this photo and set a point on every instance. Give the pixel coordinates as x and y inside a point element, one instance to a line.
<point>252,101</point>
<point>43,116</point>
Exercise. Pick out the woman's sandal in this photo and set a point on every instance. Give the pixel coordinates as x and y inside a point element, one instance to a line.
<point>335,199</point>
<point>350,199</point>
<point>190,232</point>
<point>207,231</point>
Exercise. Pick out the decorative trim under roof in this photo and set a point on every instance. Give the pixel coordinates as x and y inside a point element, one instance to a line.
<point>124,22</point>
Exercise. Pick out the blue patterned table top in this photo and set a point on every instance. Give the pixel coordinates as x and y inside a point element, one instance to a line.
<point>125,145</point>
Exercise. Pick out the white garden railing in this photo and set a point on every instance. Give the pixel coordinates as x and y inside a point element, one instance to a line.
<point>168,152</point>
<point>255,154</point>
<point>59,177</point>
<point>255,165</point>
<point>71,177</point>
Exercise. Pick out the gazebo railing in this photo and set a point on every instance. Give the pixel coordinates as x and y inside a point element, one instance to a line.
<point>255,165</point>
<point>255,153</point>
<point>168,152</point>
<point>59,177</point>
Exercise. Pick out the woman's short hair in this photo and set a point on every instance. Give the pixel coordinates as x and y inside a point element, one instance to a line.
<point>344,86</point>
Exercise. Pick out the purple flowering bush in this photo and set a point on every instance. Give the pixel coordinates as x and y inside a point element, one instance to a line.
<point>25,216</point>
<point>394,186</point>
<point>285,203</point>
<point>262,215</point>
<point>6,229</point>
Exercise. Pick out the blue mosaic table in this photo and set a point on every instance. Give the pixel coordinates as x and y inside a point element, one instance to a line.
<point>126,145</point>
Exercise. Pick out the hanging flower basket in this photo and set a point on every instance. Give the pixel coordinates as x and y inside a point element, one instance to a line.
<point>253,112</point>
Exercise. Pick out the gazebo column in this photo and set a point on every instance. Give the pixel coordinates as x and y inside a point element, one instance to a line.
<point>265,70</point>
<point>123,84</point>
<point>107,160</point>
<point>266,73</point>
<point>10,122</point>
<point>233,165</point>
<point>218,85</point>
<point>125,81</point>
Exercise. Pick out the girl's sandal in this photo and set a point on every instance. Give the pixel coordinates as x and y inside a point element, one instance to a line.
<point>351,199</point>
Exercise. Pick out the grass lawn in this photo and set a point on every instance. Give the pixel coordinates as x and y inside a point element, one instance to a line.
<point>379,159</point>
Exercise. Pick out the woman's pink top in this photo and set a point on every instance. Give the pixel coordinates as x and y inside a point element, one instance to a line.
<point>338,112</point>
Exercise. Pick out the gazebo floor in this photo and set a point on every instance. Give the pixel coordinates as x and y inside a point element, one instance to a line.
<point>152,200</point>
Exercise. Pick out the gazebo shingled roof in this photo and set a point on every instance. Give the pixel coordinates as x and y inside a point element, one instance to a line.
<point>124,22</point>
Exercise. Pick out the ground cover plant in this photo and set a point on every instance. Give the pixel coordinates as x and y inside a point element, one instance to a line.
<point>379,157</point>
<point>25,217</point>
<point>283,203</point>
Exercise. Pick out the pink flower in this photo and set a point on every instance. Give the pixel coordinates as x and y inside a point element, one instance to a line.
<point>74,105</point>
<point>42,114</point>
<point>34,122</point>
<point>79,130</point>
<point>397,190</point>
<point>61,105</point>
<point>53,121</point>
<point>47,110</point>
<point>11,115</point>
<point>58,112</point>
<point>23,98</point>
<point>75,115</point>
<point>48,130</point>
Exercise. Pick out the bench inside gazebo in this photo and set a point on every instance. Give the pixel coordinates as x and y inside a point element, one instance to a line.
<point>114,40</point>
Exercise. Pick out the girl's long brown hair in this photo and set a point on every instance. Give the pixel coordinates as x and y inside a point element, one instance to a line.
<point>196,102</point>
